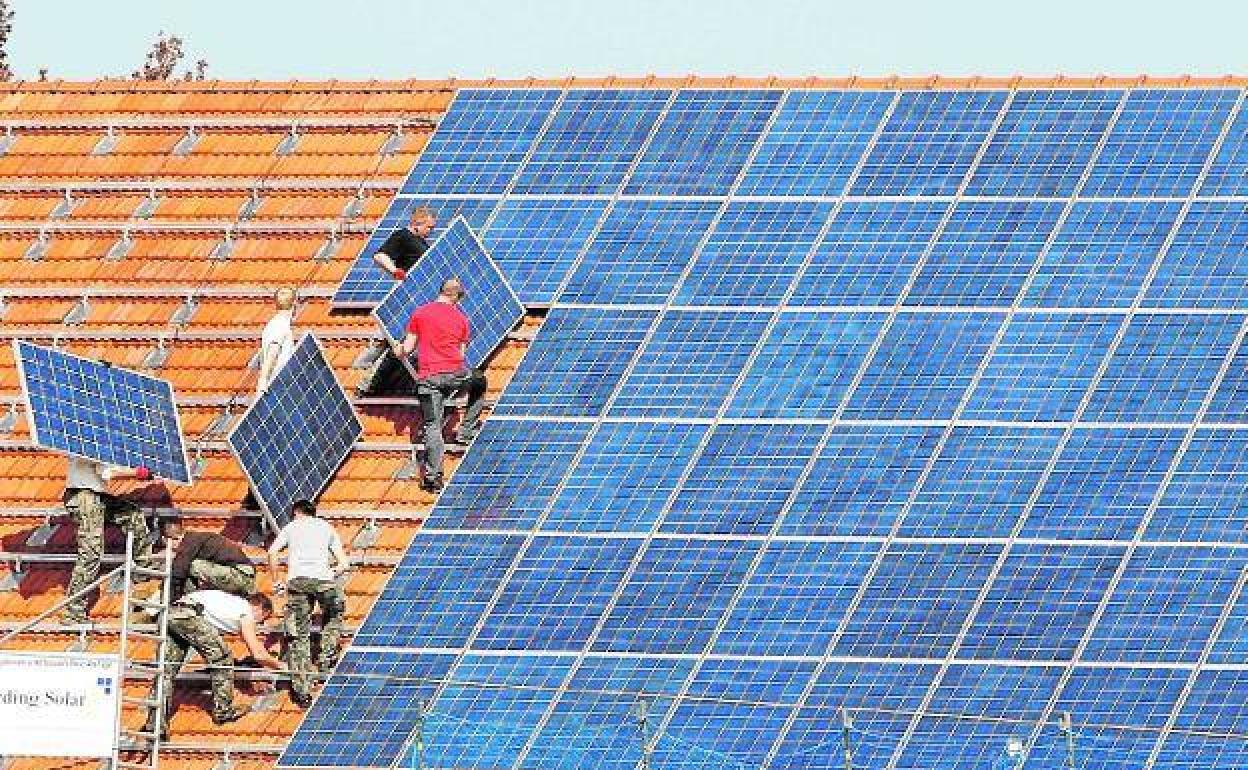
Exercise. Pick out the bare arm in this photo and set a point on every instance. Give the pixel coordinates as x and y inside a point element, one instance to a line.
<point>257,650</point>
<point>342,562</point>
<point>385,262</point>
<point>408,345</point>
<point>279,543</point>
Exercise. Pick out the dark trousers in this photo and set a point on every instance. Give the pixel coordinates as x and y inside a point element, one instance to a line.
<point>383,374</point>
<point>433,392</point>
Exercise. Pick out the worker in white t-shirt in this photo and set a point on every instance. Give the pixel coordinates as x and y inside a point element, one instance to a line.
<point>199,621</point>
<point>277,342</point>
<point>310,580</point>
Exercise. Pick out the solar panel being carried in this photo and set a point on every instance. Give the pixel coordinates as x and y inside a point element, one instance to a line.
<point>95,410</point>
<point>490,304</point>
<point>296,434</point>
<point>867,429</point>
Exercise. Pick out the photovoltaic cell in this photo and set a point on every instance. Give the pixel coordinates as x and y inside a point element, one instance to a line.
<point>868,254</point>
<point>367,710</point>
<point>1044,143</point>
<point>535,242</point>
<point>704,139</point>
<point>753,254</point>
<point>491,306</point>
<point>366,283</point>
<point>294,436</point>
<point>859,481</point>
<point>1102,254</point>
<point>1230,166</point>
<point>817,582</point>
<point>916,600</point>
<point>1164,367</point>
<point>929,142</point>
<point>556,594</point>
<point>439,590</point>
<point>980,482</point>
<point>1230,401</point>
<point>1160,142</point>
<point>624,478</point>
<point>481,141</point>
<point>1042,366</point>
<point>575,362</point>
<point>94,410</point>
<point>1207,264</point>
<point>805,365</point>
<point>923,366</point>
<point>1207,497</point>
<point>1102,483</point>
<point>591,142</point>
<point>984,254</point>
<point>742,479</point>
<point>689,364</point>
<point>640,251</point>
<point>1165,605</point>
<point>815,142</point>
<point>508,478</point>
<point>1041,601</point>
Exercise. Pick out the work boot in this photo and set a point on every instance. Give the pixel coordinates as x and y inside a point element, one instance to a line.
<point>233,714</point>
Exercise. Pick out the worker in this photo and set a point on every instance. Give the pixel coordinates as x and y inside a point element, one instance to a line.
<point>90,505</point>
<point>199,620</point>
<point>207,560</point>
<point>440,332</point>
<point>401,250</point>
<point>310,581</point>
<point>277,341</point>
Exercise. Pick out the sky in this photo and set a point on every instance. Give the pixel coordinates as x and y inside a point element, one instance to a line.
<point>387,39</point>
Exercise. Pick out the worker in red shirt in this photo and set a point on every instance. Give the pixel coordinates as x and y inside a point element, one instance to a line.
<point>439,334</point>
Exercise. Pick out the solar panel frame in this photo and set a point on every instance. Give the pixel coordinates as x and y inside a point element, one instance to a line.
<point>166,467</point>
<point>277,512</point>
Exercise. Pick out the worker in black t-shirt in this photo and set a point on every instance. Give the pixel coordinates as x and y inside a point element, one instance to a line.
<point>396,256</point>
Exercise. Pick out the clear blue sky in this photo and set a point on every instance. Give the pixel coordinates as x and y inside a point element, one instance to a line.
<point>305,39</point>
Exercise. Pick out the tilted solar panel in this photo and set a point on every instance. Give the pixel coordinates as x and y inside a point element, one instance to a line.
<point>95,410</point>
<point>867,428</point>
<point>296,434</point>
<point>490,304</point>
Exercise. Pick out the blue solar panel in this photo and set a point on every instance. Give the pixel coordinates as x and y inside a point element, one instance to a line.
<point>984,254</point>
<point>1160,142</point>
<point>869,253</point>
<point>1102,254</point>
<point>366,284</point>
<point>753,253</point>
<point>591,142</point>
<point>815,142</point>
<point>828,466</point>
<point>690,363</point>
<point>1044,142</point>
<point>481,142</point>
<point>536,242</point>
<point>702,142</point>
<point>295,435</point>
<point>490,305</point>
<point>929,142</point>
<point>104,413</point>
<point>575,362</point>
<point>640,252</point>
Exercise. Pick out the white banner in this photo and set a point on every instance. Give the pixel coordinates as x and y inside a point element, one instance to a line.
<point>58,704</point>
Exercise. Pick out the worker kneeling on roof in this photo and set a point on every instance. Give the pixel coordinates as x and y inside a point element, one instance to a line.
<point>207,560</point>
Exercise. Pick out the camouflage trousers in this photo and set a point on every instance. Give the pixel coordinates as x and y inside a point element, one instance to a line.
<point>238,579</point>
<point>301,594</point>
<point>89,510</point>
<point>189,631</point>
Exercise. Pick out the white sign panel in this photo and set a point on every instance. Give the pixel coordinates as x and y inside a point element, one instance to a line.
<point>58,704</point>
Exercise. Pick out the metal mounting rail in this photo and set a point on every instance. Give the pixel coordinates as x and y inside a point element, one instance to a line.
<point>211,184</point>
<point>212,227</point>
<point>137,121</point>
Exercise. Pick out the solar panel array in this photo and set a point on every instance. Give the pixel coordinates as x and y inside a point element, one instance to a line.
<point>296,434</point>
<point>95,410</point>
<point>867,429</point>
<point>490,304</point>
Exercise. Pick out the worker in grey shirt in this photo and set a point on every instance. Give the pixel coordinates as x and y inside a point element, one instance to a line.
<point>310,580</point>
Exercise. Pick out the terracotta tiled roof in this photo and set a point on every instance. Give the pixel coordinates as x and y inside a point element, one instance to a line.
<point>335,179</point>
